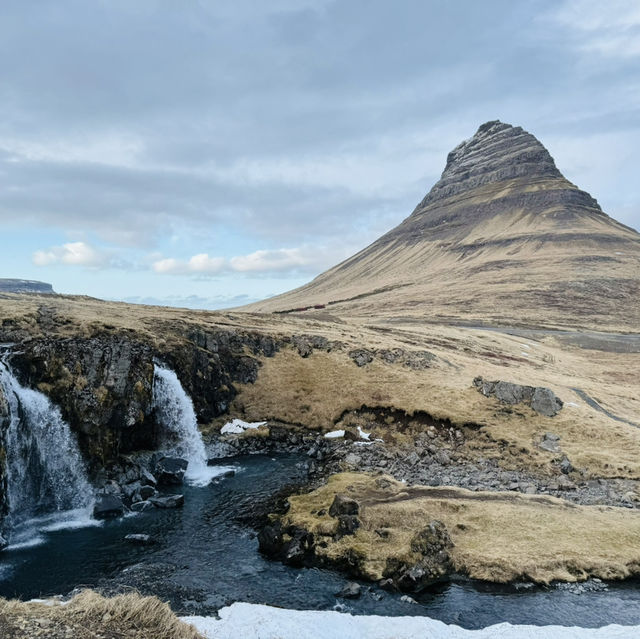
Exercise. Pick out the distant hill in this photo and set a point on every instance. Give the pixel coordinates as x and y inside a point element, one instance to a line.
<point>503,237</point>
<point>24,286</point>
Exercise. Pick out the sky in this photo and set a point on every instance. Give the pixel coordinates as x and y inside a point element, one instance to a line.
<point>210,153</point>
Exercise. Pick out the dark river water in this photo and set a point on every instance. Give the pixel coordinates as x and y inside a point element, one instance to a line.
<point>205,559</point>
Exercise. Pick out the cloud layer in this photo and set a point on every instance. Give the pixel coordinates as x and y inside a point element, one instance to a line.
<point>199,139</point>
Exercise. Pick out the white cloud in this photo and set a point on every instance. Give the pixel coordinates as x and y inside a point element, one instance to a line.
<point>609,28</point>
<point>274,260</point>
<point>200,263</point>
<point>74,254</point>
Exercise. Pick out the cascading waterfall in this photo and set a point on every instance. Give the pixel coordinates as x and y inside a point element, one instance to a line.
<point>47,485</point>
<point>181,437</point>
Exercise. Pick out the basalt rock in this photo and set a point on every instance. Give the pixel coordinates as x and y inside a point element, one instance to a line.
<point>168,501</point>
<point>108,506</point>
<point>542,400</point>
<point>170,470</point>
<point>434,565</point>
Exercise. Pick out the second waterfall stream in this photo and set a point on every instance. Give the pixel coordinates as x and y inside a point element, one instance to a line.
<point>181,437</point>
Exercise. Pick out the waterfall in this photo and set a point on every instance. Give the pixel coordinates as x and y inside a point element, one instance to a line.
<point>181,437</point>
<point>47,485</point>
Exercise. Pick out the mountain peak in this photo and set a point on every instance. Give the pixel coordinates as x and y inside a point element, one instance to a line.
<point>496,152</point>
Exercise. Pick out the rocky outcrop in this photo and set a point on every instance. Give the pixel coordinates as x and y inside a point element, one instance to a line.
<point>432,543</point>
<point>542,400</point>
<point>24,286</point>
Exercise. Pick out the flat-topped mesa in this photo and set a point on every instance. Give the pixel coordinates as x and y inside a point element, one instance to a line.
<point>496,153</point>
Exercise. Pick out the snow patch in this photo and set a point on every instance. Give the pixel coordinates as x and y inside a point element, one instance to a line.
<point>237,426</point>
<point>334,434</point>
<point>256,621</point>
<point>362,434</point>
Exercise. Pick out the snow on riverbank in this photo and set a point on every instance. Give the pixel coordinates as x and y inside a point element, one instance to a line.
<point>237,426</point>
<point>253,621</point>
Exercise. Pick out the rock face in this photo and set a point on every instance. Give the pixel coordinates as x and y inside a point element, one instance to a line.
<point>24,286</point>
<point>433,543</point>
<point>502,236</point>
<point>542,400</point>
<point>170,470</point>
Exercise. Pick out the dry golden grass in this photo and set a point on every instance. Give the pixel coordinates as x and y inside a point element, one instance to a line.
<point>498,537</point>
<point>90,615</point>
<point>315,391</point>
<point>504,269</point>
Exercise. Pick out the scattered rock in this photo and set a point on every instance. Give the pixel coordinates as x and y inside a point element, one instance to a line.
<point>351,590</point>
<point>108,506</point>
<point>168,501</point>
<point>170,470</point>
<point>361,356</point>
<point>147,479</point>
<point>565,465</point>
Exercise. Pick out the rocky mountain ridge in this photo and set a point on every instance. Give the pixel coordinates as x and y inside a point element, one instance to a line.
<point>501,236</point>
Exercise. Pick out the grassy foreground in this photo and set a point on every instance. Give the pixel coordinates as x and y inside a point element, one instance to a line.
<point>91,616</point>
<point>497,536</point>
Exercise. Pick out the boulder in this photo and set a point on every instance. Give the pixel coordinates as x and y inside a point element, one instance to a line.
<point>140,539</point>
<point>146,492</point>
<point>343,505</point>
<point>108,506</point>
<point>3,543</point>
<point>146,478</point>
<point>141,506</point>
<point>347,525</point>
<point>270,540</point>
<point>361,356</point>
<point>545,402</point>
<point>170,470</point>
<point>351,590</point>
<point>168,501</point>
<point>542,400</point>
<point>432,543</point>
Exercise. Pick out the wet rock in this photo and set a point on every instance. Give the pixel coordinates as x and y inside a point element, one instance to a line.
<point>108,506</point>
<point>129,490</point>
<point>141,506</point>
<point>168,501</point>
<point>270,540</point>
<point>147,479</point>
<point>343,505</point>
<point>140,539</point>
<point>146,492</point>
<point>3,543</point>
<point>351,590</point>
<point>170,470</point>
<point>407,599</point>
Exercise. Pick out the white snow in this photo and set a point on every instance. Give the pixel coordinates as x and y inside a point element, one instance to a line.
<point>570,404</point>
<point>334,434</point>
<point>237,426</point>
<point>362,434</point>
<point>254,621</point>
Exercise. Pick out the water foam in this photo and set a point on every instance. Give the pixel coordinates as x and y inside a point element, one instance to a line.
<point>181,437</point>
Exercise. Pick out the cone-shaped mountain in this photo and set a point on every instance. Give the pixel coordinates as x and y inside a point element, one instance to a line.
<point>502,237</point>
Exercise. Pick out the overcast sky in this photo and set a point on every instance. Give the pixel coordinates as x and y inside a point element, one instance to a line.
<point>208,153</point>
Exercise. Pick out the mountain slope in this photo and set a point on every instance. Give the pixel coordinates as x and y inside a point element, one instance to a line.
<point>502,237</point>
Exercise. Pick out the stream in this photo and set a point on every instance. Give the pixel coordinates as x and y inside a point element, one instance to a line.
<point>204,558</point>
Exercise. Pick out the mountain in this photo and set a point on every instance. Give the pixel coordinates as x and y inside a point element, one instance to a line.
<point>24,286</point>
<point>503,237</point>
